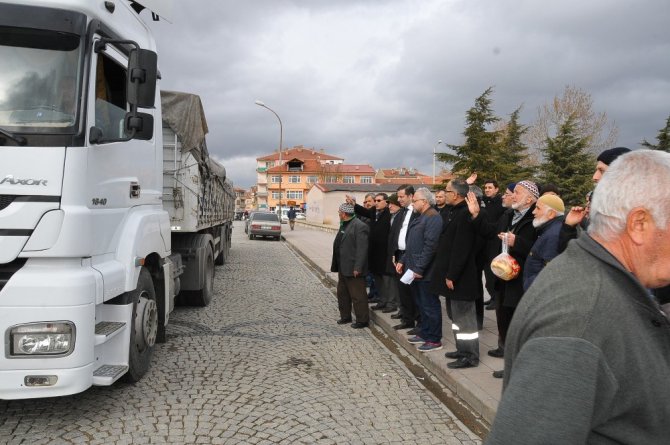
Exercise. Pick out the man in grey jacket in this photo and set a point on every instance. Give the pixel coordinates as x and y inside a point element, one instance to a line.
<point>588,351</point>
<point>350,261</point>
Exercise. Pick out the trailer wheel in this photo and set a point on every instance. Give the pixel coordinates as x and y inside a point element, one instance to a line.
<point>143,327</point>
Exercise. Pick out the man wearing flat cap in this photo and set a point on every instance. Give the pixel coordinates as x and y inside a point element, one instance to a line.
<point>350,261</point>
<point>548,214</point>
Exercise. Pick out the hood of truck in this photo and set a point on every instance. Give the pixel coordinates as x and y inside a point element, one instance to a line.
<point>31,180</point>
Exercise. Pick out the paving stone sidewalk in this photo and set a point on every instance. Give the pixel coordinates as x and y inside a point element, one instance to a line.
<point>475,386</point>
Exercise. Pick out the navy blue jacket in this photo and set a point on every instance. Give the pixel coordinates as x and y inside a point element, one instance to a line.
<point>423,234</point>
<point>544,250</point>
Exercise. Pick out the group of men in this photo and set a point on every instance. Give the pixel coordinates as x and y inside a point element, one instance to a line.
<point>582,326</point>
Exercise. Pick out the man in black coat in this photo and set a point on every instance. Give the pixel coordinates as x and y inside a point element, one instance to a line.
<point>379,220</point>
<point>456,276</point>
<point>409,313</point>
<point>517,226</point>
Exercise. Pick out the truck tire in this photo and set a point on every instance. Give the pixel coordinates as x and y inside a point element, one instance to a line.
<point>203,296</point>
<point>143,327</point>
<point>221,259</point>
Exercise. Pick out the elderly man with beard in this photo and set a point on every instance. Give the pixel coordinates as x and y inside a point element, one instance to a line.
<point>548,214</point>
<point>517,227</point>
<point>588,351</point>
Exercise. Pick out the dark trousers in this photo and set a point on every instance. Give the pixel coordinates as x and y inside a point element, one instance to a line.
<point>430,311</point>
<point>351,292</point>
<point>504,318</point>
<point>408,309</point>
<point>388,290</point>
<point>464,327</point>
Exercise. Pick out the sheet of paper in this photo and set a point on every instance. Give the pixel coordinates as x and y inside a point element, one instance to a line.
<point>407,277</point>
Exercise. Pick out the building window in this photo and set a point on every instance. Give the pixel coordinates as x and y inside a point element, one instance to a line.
<point>294,179</point>
<point>275,179</point>
<point>276,195</point>
<point>331,179</point>
<point>294,194</point>
<point>312,179</point>
<point>348,179</point>
<point>366,179</point>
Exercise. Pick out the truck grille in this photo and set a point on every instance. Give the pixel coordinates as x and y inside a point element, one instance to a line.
<point>6,200</point>
<point>9,269</point>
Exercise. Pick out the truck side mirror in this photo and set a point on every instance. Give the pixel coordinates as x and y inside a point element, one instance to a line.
<point>142,74</point>
<point>140,125</point>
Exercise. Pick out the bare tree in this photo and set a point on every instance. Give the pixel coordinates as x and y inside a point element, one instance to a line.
<point>577,105</point>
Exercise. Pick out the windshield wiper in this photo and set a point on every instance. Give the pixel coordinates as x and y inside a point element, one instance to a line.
<point>18,139</point>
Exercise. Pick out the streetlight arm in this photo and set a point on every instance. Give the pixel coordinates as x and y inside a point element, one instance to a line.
<point>281,135</point>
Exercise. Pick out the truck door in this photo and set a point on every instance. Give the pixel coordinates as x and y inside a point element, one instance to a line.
<point>121,174</point>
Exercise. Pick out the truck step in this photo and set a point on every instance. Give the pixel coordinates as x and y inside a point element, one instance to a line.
<point>105,330</point>
<point>108,374</point>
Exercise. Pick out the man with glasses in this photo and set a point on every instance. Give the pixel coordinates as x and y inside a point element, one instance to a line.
<point>416,265</point>
<point>456,276</point>
<point>380,223</point>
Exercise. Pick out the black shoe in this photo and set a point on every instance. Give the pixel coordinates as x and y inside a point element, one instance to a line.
<point>498,352</point>
<point>414,331</point>
<point>488,301</point>
<point>344,321</point>
<point>389,309</point>
<point>359,325</point>
<point>454,354</point>
<point>397,316</point>
<point>463,363</point>
<point>491,306</point>
<point>403,325</point>
<point>378,306</point>
<point>499,374</point>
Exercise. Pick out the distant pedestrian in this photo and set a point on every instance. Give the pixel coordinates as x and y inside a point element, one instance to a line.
<point>291,217</point>
<point>588,350</point>
<point>350,261</point>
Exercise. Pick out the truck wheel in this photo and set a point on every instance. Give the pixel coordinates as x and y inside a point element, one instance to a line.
<point>143,327</point>
<point>203,296</point>
<point>221,258</point>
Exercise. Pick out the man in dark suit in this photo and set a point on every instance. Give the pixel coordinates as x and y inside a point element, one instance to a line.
<point>408,310</point>
<point>350,261</point>
<point>457,277</point>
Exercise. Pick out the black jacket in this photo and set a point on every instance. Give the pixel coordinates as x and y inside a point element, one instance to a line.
<point>379,234</point>
<point>510,291</point>
<point>455,258</point>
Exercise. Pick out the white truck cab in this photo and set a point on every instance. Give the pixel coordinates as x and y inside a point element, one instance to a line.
<point>87,273</point>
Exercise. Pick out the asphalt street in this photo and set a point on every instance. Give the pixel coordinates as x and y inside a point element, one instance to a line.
<point>265,363</point>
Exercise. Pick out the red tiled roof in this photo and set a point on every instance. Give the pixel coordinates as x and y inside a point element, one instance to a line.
<point>301,153</point>
<point>314,166</point>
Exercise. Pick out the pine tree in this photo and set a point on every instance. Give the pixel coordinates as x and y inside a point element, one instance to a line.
<point>568,164</point>
<point>477,152</point>
<point>663,139</point>
<point>511,154</point>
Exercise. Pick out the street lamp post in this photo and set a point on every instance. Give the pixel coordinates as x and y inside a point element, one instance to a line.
<point>281,133</point>
<point>434,155</point>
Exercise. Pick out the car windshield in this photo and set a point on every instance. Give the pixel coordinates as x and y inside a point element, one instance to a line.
<point>265,217</point>
<point>38,79</point>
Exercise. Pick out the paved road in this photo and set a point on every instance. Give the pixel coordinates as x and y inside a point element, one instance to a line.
<point>265,363</point>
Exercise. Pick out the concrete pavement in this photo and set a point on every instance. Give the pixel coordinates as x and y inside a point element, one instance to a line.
<point>475,386</point>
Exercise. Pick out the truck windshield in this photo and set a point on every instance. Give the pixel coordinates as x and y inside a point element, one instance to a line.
<point>38,80</point>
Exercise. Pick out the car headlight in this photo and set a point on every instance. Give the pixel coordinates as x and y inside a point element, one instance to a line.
<point>51,338</point>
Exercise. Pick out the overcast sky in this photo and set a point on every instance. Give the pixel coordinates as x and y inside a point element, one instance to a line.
<point>381,81</point>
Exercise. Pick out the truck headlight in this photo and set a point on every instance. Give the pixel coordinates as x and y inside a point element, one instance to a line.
<point>55,338</point>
